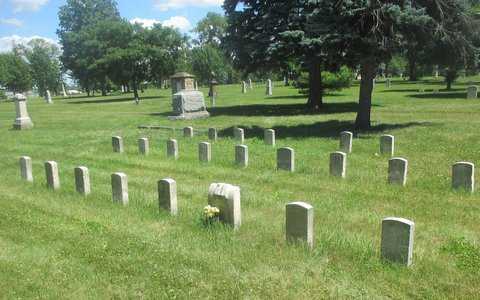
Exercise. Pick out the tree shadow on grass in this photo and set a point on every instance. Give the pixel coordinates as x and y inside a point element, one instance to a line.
<point>442,95</point>
<point>272,110</point>
<point>113,100</point>
<point>417,90</point>
<point>327,129</point>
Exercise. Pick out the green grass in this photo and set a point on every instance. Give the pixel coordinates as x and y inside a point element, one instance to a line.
<point>60,245</point>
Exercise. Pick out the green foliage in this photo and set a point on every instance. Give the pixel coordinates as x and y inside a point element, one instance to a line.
<point>14,72</point>
<point>208,62</point>
<point>466,253</point>
<point>397,65</point>
<point>211,29</point>
<point>330,81</point>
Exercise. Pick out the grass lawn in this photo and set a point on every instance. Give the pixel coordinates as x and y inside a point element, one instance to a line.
<point>60,245</point>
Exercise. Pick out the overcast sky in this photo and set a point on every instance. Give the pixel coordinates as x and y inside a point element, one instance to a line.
<point>22,20</point>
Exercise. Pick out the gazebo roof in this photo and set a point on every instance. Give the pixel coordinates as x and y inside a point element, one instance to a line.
<point>182,75</point>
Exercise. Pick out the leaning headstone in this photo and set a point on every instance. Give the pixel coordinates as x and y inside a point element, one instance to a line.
<point>286,159</point>
<point>299,222</point>
<point>269,89</point>
<point>187,102</point>
<point>48,97</point>
<point>472,92</point>
<point>212,134</point>
<point>22,120</point>
<point>463,176</point>
<point>172,148</point>
<point>397,171</point>
<point>346,138</point>
<point>205,152</point>
<point>82,180</point>
<point>244,87</point>
<point>167,195</point>
<point>226,198</point>
<point>387,144</point>
<point>143,146</point>
<point>239,135</point>
<point>241,155</point>
<point>117,144</point>
<point>120,188</point>
<point>338,164</point>
<point>51,172</point>
<point>397,240</point>
<point>269,137</point>
<point>188,132</point>
<point>26,168</point>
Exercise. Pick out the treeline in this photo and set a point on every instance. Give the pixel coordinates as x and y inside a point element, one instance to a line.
<point>365,35</point>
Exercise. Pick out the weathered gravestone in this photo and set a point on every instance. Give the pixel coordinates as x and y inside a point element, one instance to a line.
<point>241,155</point>
<point>397,240</point>
<point>250,84</point>
<point>82,180</point>
<point>472,92</point>
<point>239,135</point>
<point>463,176</point>
<point>299,222</point>
<point>26,168</point>
<point>387,145</point>
<point>22,120</point>
<point>226,198</point>
<point>212,134</point>
<point>167,195</point>
<point>212,93</point>
<point>187,103</point>
<point>188,132</point>
<point>48,97</point>
<point>338,164</point>
<point>120,188</point>
<point>388,83</point>
<point>143,146</point>
<point>205,152</point>
<point>172,148</point>
<point>269,137</point>
<point>346,138</point>
<point>269,88</point>
<point>117,144</point>
<point>286,159</point>
<point>397,171</point>
<point>244,87</point>
<point>51,172</point>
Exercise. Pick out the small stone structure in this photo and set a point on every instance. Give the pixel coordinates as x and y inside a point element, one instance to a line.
<point>51,172</point>
<point>472,92</point>
<point>338,164</point>
<point>239,135</point>
<point>205,152</point>
<point>397,171</point>
<point>172,148</point>
<point>167,195</point>
<point>397,240</point>
<point>346,138</point>
<point>22,120</point>
<point>48,97</point>
<point>299,222</point>
<point>143,146</point>
<point>26,168</point>
<point>187,103</point>
<point>226,198</point>
<point>286,159</point>
<point>82,180</point>
<point>212,134</point>
<point>117,144</point>
<point>241,155</point>
<point>120,188</point>
<point>269,137</point>
<point>387,144</point>
<point>269,88</point>
<point>463,176</point>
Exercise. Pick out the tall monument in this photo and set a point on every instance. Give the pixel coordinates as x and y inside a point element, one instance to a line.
<point>187,103</point>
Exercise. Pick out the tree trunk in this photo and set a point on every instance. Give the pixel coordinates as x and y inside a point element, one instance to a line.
<point>315,97</point>
<point>135,92</point>
<point>368,70</point>
<point>451,74</point>
<point>412,69</point>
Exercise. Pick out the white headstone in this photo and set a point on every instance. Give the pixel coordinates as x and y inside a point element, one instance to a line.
<point>286,159</point>
<point>120,188</point>
<point>167,195</point>
<point>51,172</point>
<point>463,176</point>
<point>241,155</point>
<point>226,198</point>
<point>338,164</point>
<point>269,137</point>
<point>269,90</point>
<point>82,180</point>
<point>212,134</point>
<point>346,138</point>
<point>387,144</point>
<point>64,91</point>
<point>472,92</point>
<point>172,148</point>
<point>299,222</point>
<point>397,171</point>
<point>117,144</point>
<point>205,152</point>
<point>244,87</point>
<point>188,132</point>
<point>397,240</point>
<point>26,168</point>
<point>250,84</point>
<point>239,135</point>
<point>143,146</point>
<point>48,97</point>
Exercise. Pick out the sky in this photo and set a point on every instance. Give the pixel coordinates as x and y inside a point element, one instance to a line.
<point>22,20</point>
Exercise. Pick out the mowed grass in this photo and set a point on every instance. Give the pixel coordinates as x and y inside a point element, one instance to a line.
<point>61,245</point>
